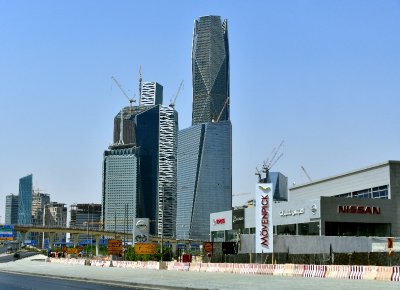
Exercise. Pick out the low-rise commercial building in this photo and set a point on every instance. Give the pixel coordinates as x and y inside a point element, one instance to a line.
<point>363,202</point>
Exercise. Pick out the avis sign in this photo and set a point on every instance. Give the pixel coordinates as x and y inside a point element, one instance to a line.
<point>264,227</point>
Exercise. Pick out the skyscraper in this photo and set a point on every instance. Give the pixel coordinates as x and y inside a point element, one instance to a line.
<point>205,149</point>
<point>120,187</point>
<point>156,135</point>
<point>25,200</point>
<point>11,209</point>
<point>210,70</point>
<point>152,130</point>
<point>204,177</point>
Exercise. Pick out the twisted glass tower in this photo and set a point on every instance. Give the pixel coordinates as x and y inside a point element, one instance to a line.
<point>205,148</point>
<point>210,70</point>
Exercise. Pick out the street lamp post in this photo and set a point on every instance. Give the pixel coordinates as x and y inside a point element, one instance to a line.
<point>162,225</point>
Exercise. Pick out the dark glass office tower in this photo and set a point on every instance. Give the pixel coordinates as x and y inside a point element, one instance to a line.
<point>152,130</point>
<point>25,200</point>
<point>11,209</point>
<point>210,70</point>
<point>204,177</point>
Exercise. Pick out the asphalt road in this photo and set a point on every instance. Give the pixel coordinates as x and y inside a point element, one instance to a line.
<point>10,257</point>
<point>22,281</point>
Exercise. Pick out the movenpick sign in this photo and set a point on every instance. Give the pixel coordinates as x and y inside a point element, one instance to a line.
<point>263,210</point>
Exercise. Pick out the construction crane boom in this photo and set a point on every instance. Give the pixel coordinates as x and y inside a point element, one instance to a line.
<point>131,100</point>
<point>270,162</point>
<point>305,172</point>
<point>223,108</point>
<point>172,103</point>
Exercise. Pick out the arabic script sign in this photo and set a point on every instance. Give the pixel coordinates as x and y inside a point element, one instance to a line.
<point>290,212</point>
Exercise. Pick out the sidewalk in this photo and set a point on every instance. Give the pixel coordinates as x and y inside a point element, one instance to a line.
<point>164,279</point>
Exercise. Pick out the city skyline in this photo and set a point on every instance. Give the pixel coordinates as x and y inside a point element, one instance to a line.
<point>321,76</point>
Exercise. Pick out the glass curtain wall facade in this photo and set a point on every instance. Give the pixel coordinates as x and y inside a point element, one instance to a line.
<point>11,209</point>
<point>86,216</point>
<point>156,135</point>
<point>25,200</point>
<point>204,177</point>
<point>120,188</point>
<point>210,70</point>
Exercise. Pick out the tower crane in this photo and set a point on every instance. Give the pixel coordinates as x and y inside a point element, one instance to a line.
<point>305,172</point>
<point>131,100</point>
<point>172,102</point>
<point>270,162</point>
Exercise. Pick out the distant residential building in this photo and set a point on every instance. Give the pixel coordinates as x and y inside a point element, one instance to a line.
<point>39,200</point>
<point>25,200</point>
<point>86,216</point>
<point>56,216</point>
<point>72,216</point>
<point>11,209</point>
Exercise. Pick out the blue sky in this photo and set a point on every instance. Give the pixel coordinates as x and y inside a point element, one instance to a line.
<point>322,75</point>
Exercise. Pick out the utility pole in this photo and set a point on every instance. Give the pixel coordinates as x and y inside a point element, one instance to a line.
<point>125,227</point>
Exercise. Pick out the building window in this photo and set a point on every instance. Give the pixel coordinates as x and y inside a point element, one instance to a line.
<point>286,229</point>
<point>376,192</point>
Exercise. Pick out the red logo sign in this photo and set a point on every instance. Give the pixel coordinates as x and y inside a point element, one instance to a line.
<point>219,221</point>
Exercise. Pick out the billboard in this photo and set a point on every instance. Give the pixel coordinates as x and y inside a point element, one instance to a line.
<point>114,247</point>
<point>141,230</point>
<point>145,249</point>
<point>6,232</point>
<point>263,216</point>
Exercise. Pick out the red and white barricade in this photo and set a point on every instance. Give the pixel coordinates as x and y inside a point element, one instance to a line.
<point>299,270</point>
<point>356,272</point>
<point>278,269</point>
<point>396,274</point>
